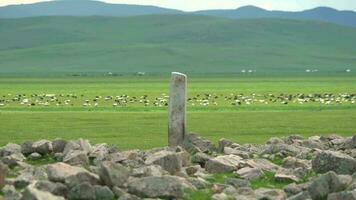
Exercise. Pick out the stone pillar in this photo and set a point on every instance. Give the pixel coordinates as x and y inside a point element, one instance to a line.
<point>177,109</point>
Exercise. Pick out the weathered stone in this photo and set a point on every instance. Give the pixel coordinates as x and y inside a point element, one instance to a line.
<point>263,164</point>
<point>113,174</point>
<point>325,184</point>
<point>99,152</point>
<point>159,187</point>
<point>351,143</point>
<point>200,158</point>
<point>224,143</point>
<point>10,149</point>
<point>80,145</point>
<point>198,183</point>
<point>345,195</point>
<point>82,191</point>
<point>249,173</point>
<point>275,140</point>
<point>3,173</point>
<point>128,196</point>
<point>292,189</point>
<point>42,147</point>
<point>283,149</point>
<point>301,196</point>
<point>220,196</point>
<point>31,193</point>
<point>281,177</point>
<point>58,189</point>
<point>26,148</point>
<point>151,170</point>
<point>292,162</point>
<point>223,164</point>
<point>194,143</point>
<point>169,161</point>
<point>61,172</point>
<point>35,156</point>
<point>270,194</point>
<point>334,161</point>
<point>10,193</point>
<point>59,145</point>
<point>103,193</point>
<point>76,157</point>
<point>13,159</point>
<point>242,154</point>
<point>177,109</point>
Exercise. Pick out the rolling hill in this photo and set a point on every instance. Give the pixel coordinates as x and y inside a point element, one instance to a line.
<point>98,8</point>
<point>159,44</point>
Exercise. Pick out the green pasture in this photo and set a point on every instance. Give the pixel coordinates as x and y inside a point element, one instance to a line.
<point>144,127</point>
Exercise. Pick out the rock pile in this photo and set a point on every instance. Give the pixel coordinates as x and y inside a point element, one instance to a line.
<point>314,168</point>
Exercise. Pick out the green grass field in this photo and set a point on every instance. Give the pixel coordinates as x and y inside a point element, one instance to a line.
<point>144,126</point>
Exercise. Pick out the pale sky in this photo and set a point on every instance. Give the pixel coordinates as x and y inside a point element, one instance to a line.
<point>192,5</point>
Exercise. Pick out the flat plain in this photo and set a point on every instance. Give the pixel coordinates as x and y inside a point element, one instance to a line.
<point>131,112</point>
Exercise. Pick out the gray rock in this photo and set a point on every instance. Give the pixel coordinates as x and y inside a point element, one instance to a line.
<point>314,144</point>
<point>80,145</point>
<point>150,170</point>
<point>351,143</point>
<point>301,196</point>
<point>250,173</point>
<point>292,162</point>
<point>200,158</point>
<point>169,161</point>
<point>58,189</point>
<point>31,193</point>
<point>82,191</point>
<point>26,148</point>
<point>71,175</point>
<point>158,187</point>
<point>220,196</point>
<point>223,164</point>
<point>99,152</point>
<point>224,143</point>
<point>275,140</point>
<point>3,173</point>
<point>334,161</point>
<point>198,183</point>
<point>13,159</point>
<point>242,154</point>
<point>245,193</point>
<point>292,189</point>
<point>10,149</point>
<point>194,143</point>
<point>263,164</point>
<point>103,193</point>
<point>113,174</point>
<point>10,193</point>
<point>345,195</point>
<point>270,194</point>
<point>76,157</point>
<point>284,150</point>
<point>128,196</point>
<point>35,156</point>
<point>325,184</point>
<point>42,147</point>
<point>59,145</point>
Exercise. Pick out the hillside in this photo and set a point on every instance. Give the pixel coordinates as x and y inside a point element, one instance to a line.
<point>347,18</point>
<point>187,43</point>
<point>98,8</point>
<point>79,8</point>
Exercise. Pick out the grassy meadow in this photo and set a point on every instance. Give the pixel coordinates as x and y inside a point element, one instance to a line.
<point>140,125</point>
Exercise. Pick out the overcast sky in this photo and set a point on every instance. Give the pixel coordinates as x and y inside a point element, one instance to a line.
<point>191,5</point>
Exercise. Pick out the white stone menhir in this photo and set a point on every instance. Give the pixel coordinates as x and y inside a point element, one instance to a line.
<point>177,109</point>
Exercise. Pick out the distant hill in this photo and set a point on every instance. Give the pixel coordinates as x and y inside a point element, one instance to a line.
<point>80,8</point>
<point>97,8</point>
<point>347,18</point>
<point>159,44</point>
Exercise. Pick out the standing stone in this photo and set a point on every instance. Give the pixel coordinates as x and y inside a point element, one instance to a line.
<point>177,109</point>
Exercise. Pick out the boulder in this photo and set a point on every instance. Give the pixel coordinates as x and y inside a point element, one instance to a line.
<point>76,157</point>
<point>351,143</point>
<point>200,158</point>
<point>345,195</point>
<point>10,193</point>
<point>58,189</point>
<point>113,174</point>
<point>166,187</point>
<point>270,194</point>
<point>263,164</point>
<point>194,143</point>
<point>26,148</point>
<point>10,149</point>
<point>223,164</point>
<point>35,156</point>
<point>242,154</point>
<point>82,191</point>
<point>169,161</point>
<point>334,161</point>
<point>59,145</point>
<point>31,193</point>
<point>103,193</point>
<point>42,147</point>
<point>61,172</point>
<point>13,159</point>
<point>249,173</point>
<point>224,143</point>
<point>292,162</point>
<point>150,170</point>
<point>237,182</point>
<point>325,184</point>
<point>301,196</point>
